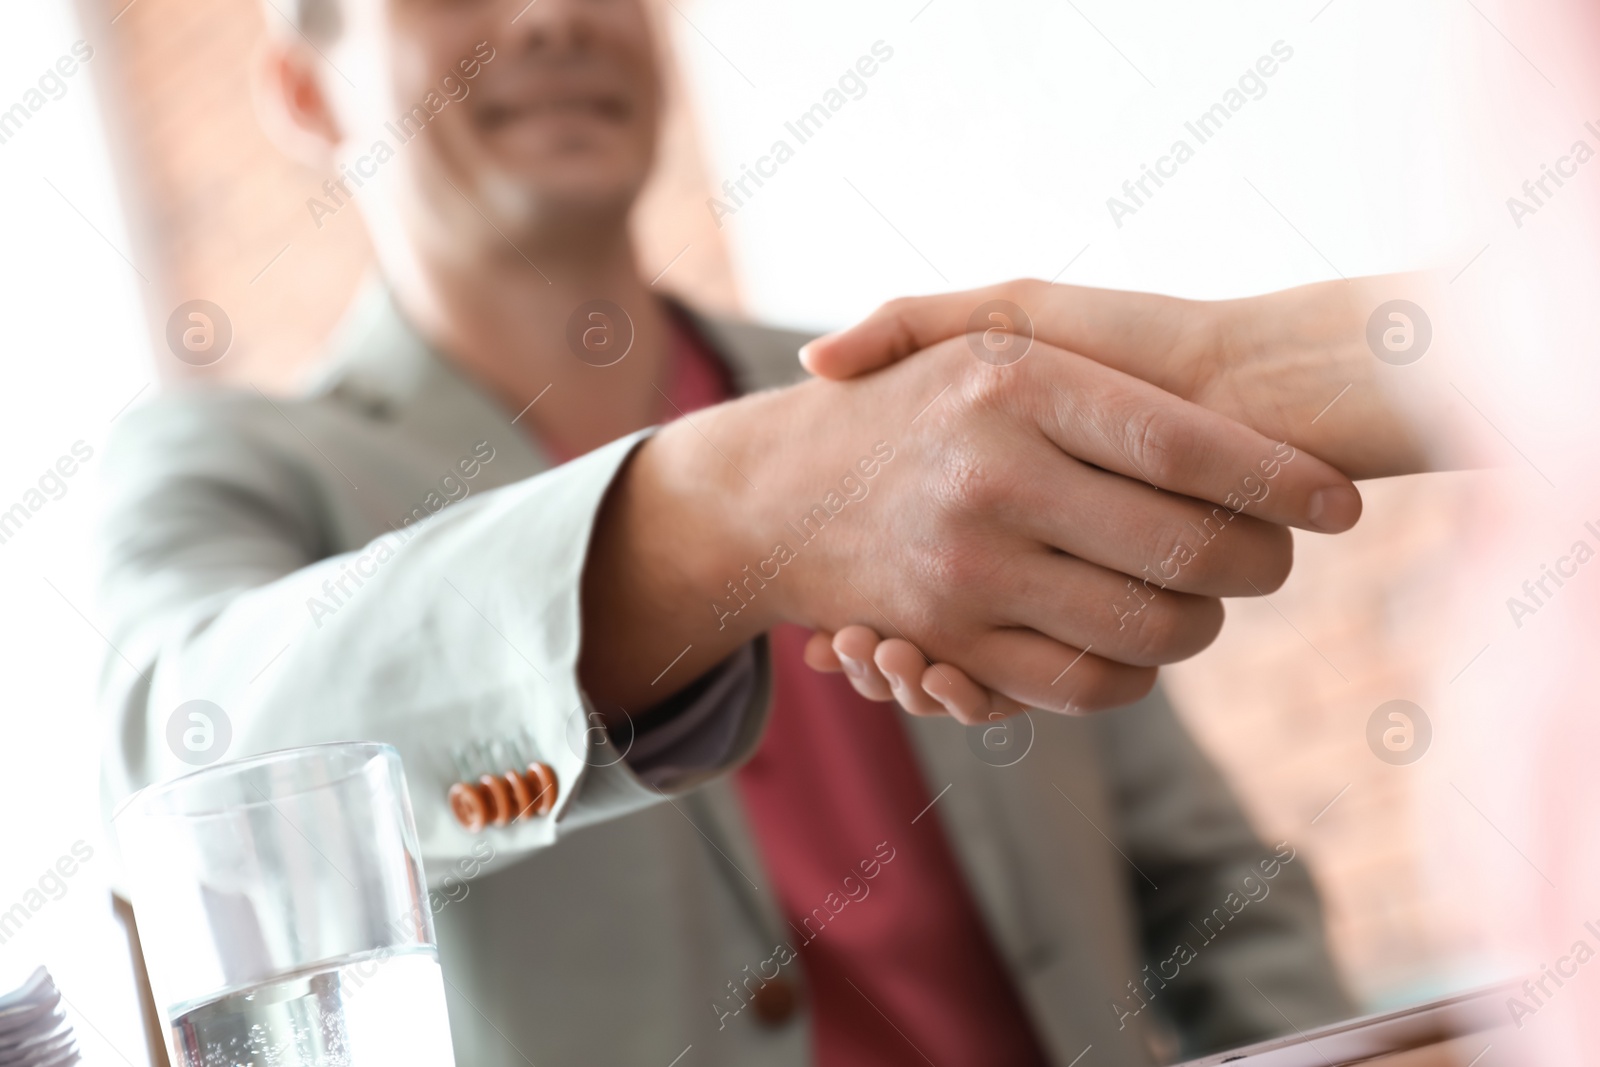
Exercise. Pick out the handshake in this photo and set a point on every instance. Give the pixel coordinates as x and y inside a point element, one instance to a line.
<point>1057,486</point>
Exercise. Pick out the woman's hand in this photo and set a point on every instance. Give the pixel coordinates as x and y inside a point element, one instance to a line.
<point>1298,366</point>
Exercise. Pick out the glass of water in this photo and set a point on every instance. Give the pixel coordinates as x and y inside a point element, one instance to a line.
<point>284,914</point>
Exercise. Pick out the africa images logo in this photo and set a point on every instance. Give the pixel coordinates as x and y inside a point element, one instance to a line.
<point>198,732</point>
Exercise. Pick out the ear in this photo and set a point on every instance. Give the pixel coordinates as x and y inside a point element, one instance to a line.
<point>292,100</point>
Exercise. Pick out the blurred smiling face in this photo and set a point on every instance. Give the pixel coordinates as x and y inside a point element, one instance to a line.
<point>544,114</point>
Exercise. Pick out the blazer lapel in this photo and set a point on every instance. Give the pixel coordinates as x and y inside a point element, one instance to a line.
<point>379,363</point>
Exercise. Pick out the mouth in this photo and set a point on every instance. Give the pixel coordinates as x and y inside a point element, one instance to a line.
<point>495,115</point>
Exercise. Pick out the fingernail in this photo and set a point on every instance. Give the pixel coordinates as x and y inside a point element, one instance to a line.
<point>853,667</point>
<point>1335,509</point>
<point>810,347</point>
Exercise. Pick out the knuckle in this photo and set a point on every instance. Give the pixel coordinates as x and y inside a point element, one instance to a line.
<point>1207,554</point>
<point>1172,628</point>
<point>1156,636</point>
<point>897,306</point>
<point>1174,556</point>
<point>983,389</point>
<point>1155,444</point>
<point>896,315</point>
<point>1024,291</point>
<point>1084,689</point>
<point>891,310</point>
<point>957,566</point>
<point>967,485</point>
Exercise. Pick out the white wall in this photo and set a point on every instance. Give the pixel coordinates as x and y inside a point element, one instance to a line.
<point>74,356</point>
<point>994,136</point>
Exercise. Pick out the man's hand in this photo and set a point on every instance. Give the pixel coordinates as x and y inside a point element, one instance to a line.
<point>1277,363</point>
<point>1053,528</point>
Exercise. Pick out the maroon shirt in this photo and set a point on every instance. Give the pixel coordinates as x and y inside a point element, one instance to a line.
<point>898,966</point>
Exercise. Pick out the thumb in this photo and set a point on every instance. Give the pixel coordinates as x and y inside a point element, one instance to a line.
<point>896,330</point>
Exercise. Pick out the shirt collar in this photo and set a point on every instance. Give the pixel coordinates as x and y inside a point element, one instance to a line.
<point>380,362</point>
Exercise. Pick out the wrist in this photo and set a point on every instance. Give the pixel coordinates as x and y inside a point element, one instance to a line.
<point>786,485</point>
<point>662,544</point>
<point>720,474</point>
<point>1296,366</point>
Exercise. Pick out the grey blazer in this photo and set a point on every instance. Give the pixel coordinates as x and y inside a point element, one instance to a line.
<point>326,568</point>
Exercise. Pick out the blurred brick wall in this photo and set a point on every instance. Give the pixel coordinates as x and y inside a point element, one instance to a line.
<point>220,214</point>
<point>1282,700</point>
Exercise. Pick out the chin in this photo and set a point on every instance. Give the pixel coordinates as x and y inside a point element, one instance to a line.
<point>565,206</point>
<point>579,186</point>
<point>586,209</point>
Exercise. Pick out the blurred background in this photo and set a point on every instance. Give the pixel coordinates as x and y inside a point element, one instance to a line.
<point>986,146</point>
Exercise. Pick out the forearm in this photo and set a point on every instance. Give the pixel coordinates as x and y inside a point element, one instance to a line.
<point>685,565</point>
<point>1298,366</point>
<point>671,535</point>
<point>453,639</point>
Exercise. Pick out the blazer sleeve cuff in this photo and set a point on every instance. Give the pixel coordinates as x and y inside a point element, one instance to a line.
<point>533,599</point>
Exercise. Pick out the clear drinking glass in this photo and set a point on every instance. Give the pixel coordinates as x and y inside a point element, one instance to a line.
<point>284,914</point>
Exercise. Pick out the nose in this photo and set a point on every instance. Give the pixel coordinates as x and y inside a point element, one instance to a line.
<point>549,27</point>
